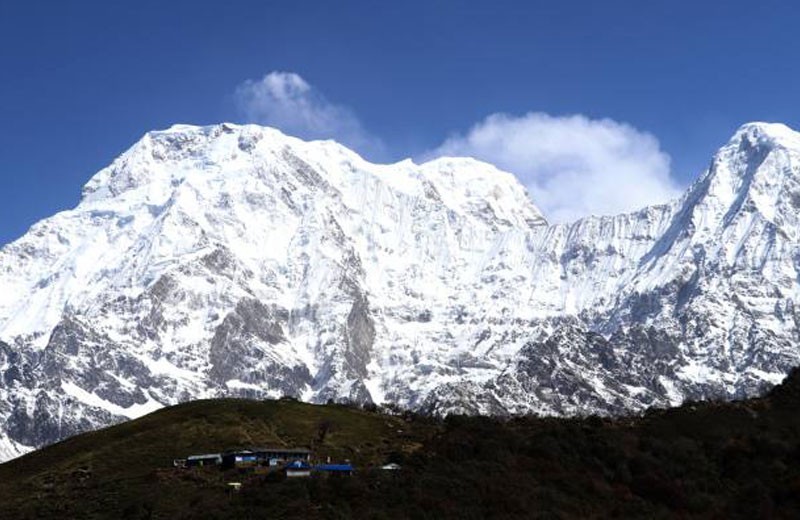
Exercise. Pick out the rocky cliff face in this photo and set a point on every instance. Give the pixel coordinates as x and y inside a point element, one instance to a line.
<point>234,260</point>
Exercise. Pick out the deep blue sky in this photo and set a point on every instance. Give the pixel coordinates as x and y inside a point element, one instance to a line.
<point>81,81</point>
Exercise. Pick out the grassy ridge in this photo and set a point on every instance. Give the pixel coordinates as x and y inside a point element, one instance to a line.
<point>712,460</point>
<point>100,474</point>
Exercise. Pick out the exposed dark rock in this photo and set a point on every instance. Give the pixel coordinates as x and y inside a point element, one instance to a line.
<point>246,347</point>
<point>360,335</point>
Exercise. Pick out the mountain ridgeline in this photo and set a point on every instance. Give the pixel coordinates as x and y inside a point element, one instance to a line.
<point>236,261</point>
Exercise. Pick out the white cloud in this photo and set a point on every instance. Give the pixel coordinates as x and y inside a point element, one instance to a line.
<point>573,166</point>
<point>286,101</point>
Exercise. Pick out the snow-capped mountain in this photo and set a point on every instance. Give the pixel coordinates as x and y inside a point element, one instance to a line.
<point>235,260</point>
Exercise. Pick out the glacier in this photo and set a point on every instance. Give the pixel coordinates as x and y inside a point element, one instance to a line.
<point>234,260</point>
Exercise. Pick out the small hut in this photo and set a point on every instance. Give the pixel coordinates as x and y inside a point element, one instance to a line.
<point>275,456</point>
<point>298,468</point>
<point>239,459</point>
<point>207,459</point>
<point>335,469</point>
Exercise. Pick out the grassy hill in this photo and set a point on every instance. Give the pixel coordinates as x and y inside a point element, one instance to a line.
<point>711,460</point>
<point>126,470</point>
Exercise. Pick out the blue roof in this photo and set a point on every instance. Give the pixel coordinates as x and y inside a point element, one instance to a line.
<point>298,464</point>
<point>334,467</point>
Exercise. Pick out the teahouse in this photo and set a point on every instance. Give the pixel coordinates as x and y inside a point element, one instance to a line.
<point>335,469</point>
<point>263,457</point>
<point>208,459</point>
<point>274,456</point>
<point>259,460</point>
<point>298,468</point>
<point>239,459</point>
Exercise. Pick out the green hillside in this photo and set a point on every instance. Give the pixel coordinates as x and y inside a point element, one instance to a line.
<point>713,460</point>
<point>126,470</point>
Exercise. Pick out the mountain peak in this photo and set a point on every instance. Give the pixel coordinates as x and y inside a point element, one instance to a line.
<point>759,133</point>
<point>754,163</point>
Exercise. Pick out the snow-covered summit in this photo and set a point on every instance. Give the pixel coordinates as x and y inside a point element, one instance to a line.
<point>236,260</point>
<point>162,160</point>
<point>758,131</point>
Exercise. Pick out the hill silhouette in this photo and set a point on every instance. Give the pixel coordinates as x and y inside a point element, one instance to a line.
<point>701,460</point>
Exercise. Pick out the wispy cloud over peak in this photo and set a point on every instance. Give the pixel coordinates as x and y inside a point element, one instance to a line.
<point>287,101</point>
